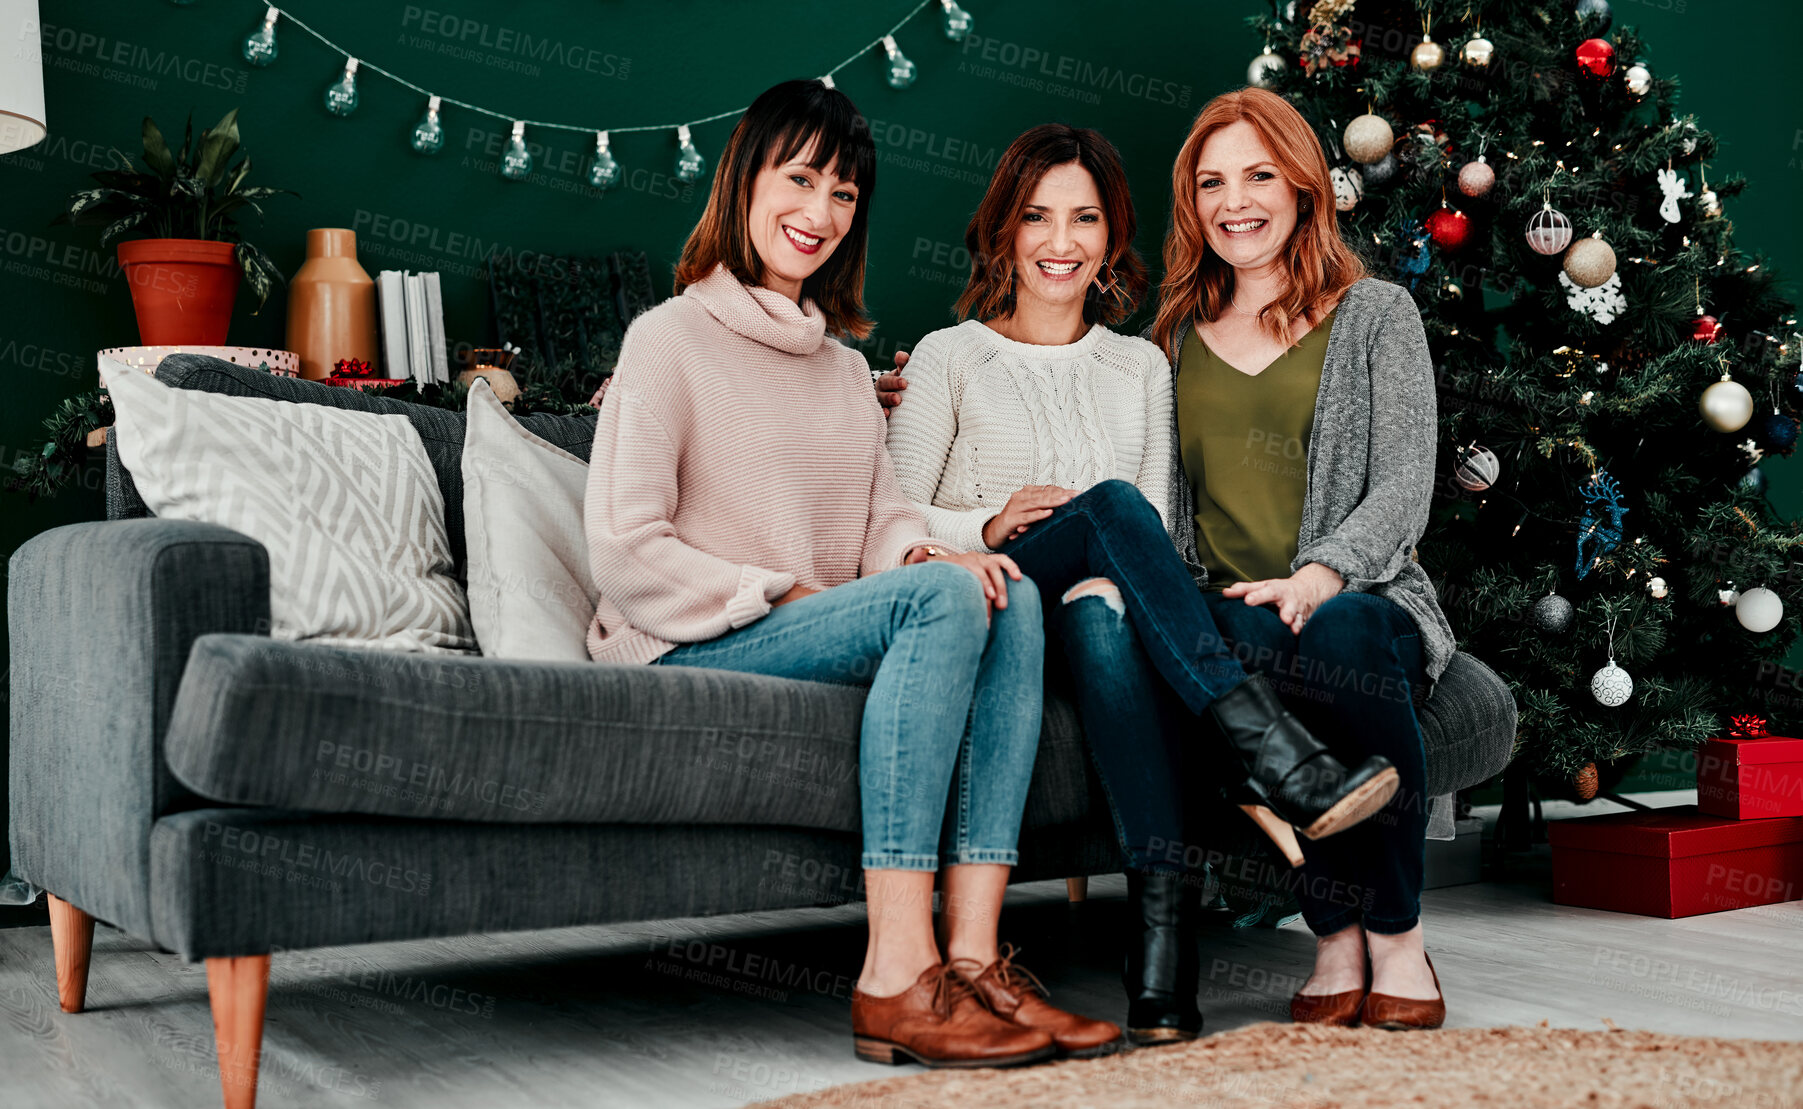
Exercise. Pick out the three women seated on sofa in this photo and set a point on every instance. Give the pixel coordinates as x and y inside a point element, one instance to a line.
<point>1046,478</point>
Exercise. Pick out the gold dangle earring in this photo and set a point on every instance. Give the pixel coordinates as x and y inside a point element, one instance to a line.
<point>1109,289</point>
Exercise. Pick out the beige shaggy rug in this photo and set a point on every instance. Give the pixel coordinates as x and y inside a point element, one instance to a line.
<point>1296,1066</point>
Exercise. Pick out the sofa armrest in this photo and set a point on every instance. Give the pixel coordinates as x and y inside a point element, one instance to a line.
<point>102,616</point>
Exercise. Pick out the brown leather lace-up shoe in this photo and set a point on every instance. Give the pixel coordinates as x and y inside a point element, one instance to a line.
<point>1014,994</point>
<point>940,1022</point>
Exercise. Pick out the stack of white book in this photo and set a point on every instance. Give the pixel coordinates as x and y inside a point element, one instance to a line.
<point>412,310</point>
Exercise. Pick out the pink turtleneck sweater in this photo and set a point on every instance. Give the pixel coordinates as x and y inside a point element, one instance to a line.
<point>739,453</point>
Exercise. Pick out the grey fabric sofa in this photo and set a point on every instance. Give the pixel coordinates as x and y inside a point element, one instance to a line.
<point>182,776</point>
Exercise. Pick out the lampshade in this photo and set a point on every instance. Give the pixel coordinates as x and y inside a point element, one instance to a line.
<point>21,76</point>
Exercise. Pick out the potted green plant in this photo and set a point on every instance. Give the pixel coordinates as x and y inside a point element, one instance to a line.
<point>183,279</point>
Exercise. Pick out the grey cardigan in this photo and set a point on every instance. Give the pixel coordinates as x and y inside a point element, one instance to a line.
<point>1370,465</point>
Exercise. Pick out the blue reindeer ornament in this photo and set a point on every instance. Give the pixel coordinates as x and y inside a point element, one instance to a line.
<point>1595,538</point>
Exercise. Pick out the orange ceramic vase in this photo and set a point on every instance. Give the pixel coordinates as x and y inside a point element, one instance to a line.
<point>331,305</point>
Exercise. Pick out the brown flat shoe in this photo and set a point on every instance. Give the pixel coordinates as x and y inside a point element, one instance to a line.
<point>940,1022</point>
<point>1331,1008</point>
<point>1014,994</point>
<point>1400,1013</point>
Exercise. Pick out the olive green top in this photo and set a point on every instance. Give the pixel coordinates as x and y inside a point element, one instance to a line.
<point>1244,442</point>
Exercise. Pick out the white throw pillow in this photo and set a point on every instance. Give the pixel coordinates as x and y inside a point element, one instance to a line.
<point>346,503</point>
<point>531,593</point>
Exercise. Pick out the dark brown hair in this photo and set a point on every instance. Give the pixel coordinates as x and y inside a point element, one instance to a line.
<point>990,237</point>
<point>1198,283</point>
<point>780,124</point>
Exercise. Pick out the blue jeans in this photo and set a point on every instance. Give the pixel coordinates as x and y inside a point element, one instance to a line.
<point>951,723</point>
<point>1131,654</point>
<point>1351,678</point>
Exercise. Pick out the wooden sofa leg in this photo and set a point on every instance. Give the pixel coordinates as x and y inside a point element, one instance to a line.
<point>239,988</point>
<point>1077,888</point>
<point>72,941</point>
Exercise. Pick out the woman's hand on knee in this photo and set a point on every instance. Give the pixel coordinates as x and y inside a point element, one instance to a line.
<point>1296,597</point>
<point>993,570</point>
<point>1029,505</point>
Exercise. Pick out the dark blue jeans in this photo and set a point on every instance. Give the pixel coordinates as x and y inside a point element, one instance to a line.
<point>1351,678</point>
<point>1146,658</point>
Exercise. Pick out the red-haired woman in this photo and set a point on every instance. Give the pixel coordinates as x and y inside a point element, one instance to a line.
<point>1305,416</point>
<point>1034,430</point>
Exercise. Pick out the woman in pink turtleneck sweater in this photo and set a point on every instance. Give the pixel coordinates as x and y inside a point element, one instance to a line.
<point>769,535</point>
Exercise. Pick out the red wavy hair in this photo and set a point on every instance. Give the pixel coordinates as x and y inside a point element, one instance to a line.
<point>1197,283</point>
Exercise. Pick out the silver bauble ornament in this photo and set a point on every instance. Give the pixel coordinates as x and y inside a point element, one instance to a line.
<point>1689,142</point>
<point>1265,68</point>
<point>1427,54</point>
<point>1549,231</point>
<point>1590,262</point>
<point>1368,138</point>
<point>1759,610</point>
<point>1638,79</point>
<point>1478,51</point>
<point>1597,10</point>
<point>1551,614</point>
<point>1728,596</point>
<point>1476,178</point>
<point>1477,468</point>
<point>1611,686</point>
<point>1658,588</point>
<point>1379,173</point>
<point>1726,406</point>
<point>1348,188</point>
<point>1709,204</point>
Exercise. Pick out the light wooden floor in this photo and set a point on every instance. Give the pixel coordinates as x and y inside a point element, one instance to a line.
<point>723,1011</point>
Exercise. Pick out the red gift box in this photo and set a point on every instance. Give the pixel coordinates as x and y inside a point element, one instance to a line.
<point>1675,862</point>
<point>1750,778</point>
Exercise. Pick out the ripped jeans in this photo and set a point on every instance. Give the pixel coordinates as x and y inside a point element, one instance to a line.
<point>1351,677</point>
<point>1139,722</point>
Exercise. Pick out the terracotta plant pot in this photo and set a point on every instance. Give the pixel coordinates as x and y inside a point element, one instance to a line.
<point>331,305</point>
<point>181,289</point>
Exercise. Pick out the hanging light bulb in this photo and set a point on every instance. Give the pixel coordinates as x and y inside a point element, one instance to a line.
<point>516,162</point>
<point>341,96</point>
<point>259,45</point>
<point>956,21</point>
<point>603,171</point>
<point>901,70</point>
<point>689,162</point>
<point>428,133</point>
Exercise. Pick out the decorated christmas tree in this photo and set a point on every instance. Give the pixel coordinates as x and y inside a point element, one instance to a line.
<point>1611,364</point>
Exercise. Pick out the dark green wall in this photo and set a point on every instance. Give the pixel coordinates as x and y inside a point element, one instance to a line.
<point>1137,69</point>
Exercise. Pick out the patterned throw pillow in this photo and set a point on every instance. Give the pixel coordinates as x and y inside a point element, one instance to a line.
<point>345,503</point>
<point>532,595</point>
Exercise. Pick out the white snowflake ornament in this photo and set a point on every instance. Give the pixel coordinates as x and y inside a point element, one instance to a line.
<point>1601,304</point>
<point>1675,189</point>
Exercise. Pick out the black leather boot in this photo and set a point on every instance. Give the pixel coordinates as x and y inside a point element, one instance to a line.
<point>1163,968</point>
<point>1290,778</point>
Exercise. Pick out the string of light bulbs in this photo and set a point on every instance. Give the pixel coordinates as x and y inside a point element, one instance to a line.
<point>603,172</point>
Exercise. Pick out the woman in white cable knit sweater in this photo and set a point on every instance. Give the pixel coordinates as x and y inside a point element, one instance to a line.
<point>1033,430</point>
<point>1017,414</point>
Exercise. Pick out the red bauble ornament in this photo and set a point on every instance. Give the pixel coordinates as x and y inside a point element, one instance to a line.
<point>1596,58</point>
<point>1706,329</point>
<point>1450,228</point>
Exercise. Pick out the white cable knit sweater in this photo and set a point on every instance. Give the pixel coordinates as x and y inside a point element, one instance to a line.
<point>985,415</point>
